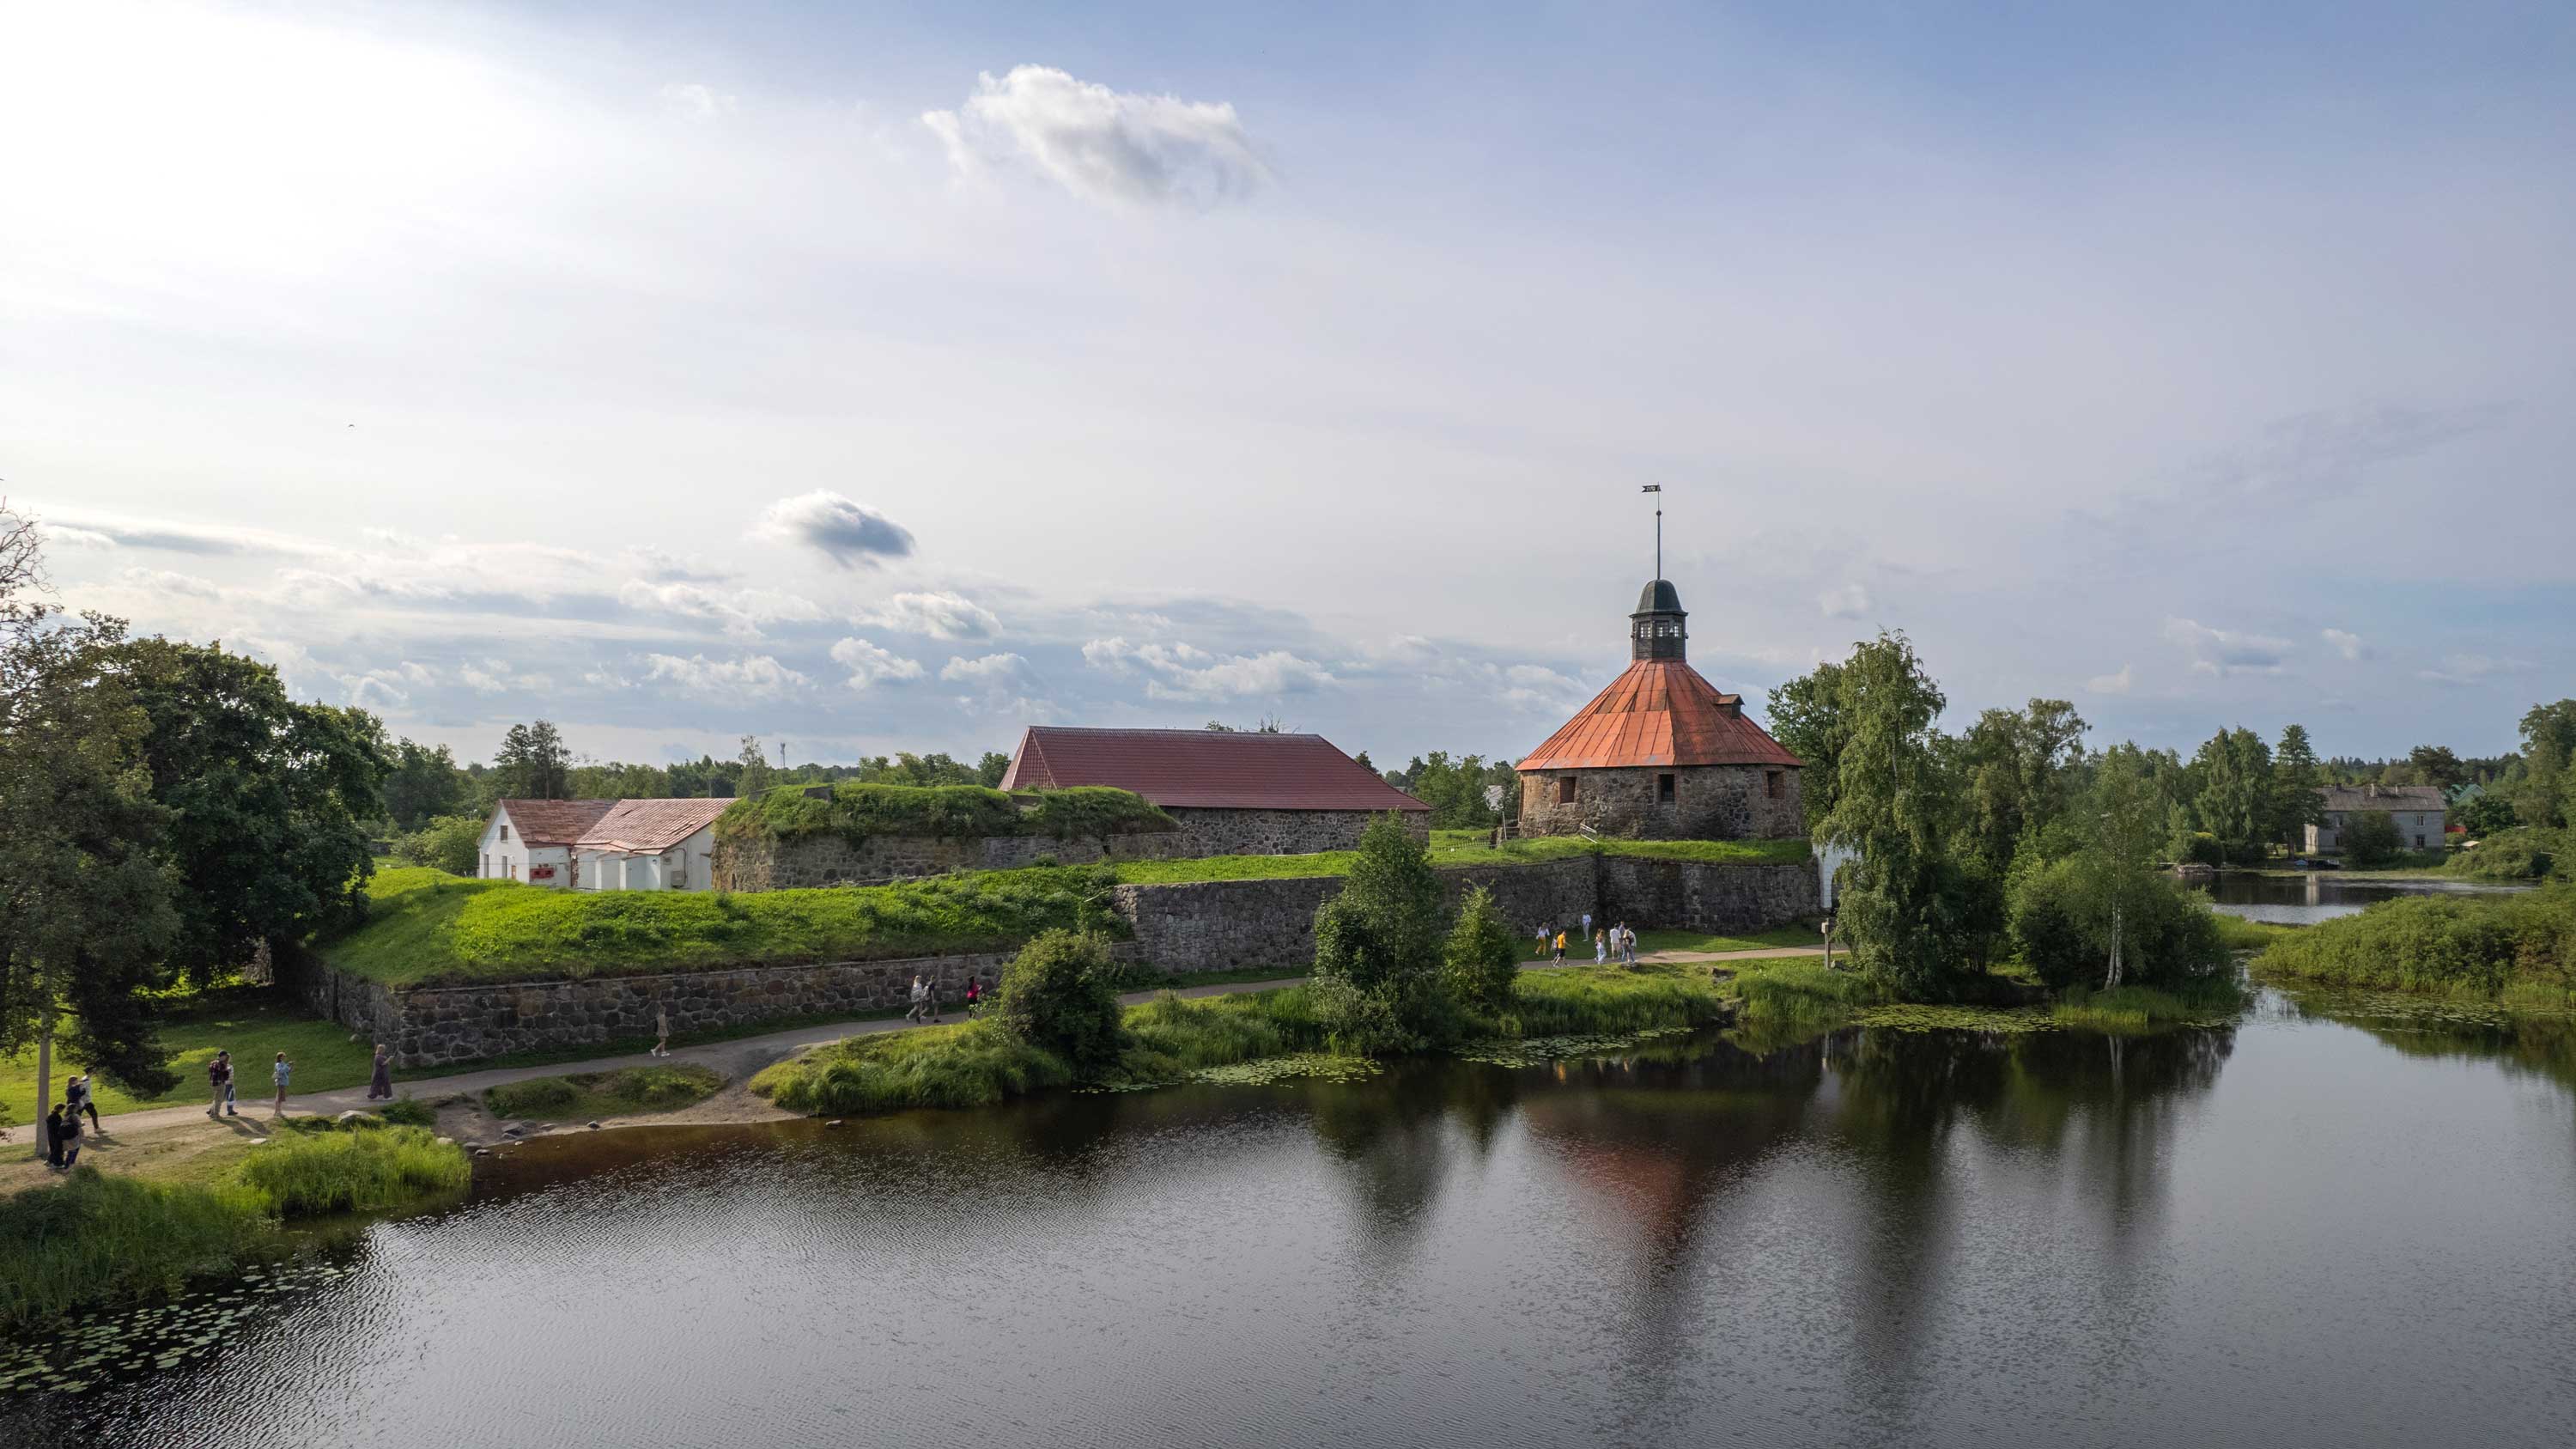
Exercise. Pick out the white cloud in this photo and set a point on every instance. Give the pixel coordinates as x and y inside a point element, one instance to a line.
<point>2112,683</point>
<point>65,536</point>
<point>2226,652</point>
<point>2466,669</point>
<point>497,676</point>
<point>740,611</point>
<point>169,583</point>
<point>694,101</point>
<point>868,664</point>
<point>940,615</point>
<point>1184,671</point>
<point>989,667</point>
<point>848,533</point>
<point>1102,145</point>
<point>754,676</point>
<point>2346,644</point>
<point>1851,601</point>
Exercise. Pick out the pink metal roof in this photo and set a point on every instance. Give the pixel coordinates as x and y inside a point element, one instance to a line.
<point>1218,769</point>
<point>1660,712</point>
<point>650,826</point>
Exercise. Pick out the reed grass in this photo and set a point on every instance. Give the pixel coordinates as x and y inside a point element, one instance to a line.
<point>358,1168</point>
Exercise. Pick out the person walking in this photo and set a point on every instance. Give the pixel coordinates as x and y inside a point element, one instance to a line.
<point>381,1085</point>
<point>933,989</point>
<point>54,1138</point>
<point>218,1077</point>
<point>67,1135</point>
<point>1541,953</point>
<point>1587,923</point>
<point>974,996</point>
<point>1560,948</point>
<point>76,1095</point>
<point>661,1030</point>
<point>281,1072</point>
<point>232,1085</point>
<point>1600,948</point>
<point>1630,937</point>
<point>920,1002</point>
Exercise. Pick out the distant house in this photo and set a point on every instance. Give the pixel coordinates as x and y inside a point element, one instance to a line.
<point>602,844</point>
<point>1233,792</point>
<point>2418,810</point>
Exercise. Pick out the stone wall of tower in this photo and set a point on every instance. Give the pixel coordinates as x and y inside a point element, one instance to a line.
<point>1710,802</point>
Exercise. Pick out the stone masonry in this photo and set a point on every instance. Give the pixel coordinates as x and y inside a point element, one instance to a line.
<point>1189,926</point>
<point>1710,802</point>
<point>1281,832</point>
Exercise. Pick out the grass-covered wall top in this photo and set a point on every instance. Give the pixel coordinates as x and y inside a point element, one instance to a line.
<point>857,813</point>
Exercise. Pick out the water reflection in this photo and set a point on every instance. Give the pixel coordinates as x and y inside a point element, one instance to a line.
<point>2298,900</point>
<point>2296,1231</point>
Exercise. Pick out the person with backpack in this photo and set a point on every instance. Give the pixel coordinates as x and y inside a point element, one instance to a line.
<point>76,1097</point>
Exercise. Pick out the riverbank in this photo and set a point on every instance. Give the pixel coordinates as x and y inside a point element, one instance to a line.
<point>2515,949</point>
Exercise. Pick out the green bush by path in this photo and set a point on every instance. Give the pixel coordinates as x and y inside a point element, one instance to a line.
<point>1060,994</point>
<point>1480,962</point>
<point>425,927</point>
<point>2483,946</point>
<point>856,813</point>
<point>583,1096</point>
<point>309,1170</point>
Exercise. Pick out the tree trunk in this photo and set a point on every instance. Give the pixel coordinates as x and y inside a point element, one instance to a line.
<point>44,1089</point>
<point>2111,979</point>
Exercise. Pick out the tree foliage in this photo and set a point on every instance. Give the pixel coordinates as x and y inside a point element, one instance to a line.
<point>1378,946</point>
<point>2547,794</point>
<point>422,783</point>
<point>1456,789</point>
<point>1480,963</point>
<point>450,843</point>
<point>264,800</point>
<point>1061,993</point>
<point>2369,838</point>
<point>2298,788</point>
<point>533,764</point>
<point>2017,769</point>
<point>1806,717</point>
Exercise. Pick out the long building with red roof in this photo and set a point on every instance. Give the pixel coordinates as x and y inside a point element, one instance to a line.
<point>1234,792</point>
<point>1662,753</point>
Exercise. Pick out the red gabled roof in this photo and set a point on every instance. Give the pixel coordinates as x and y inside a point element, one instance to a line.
<point>1218,769</point>
<point>1659,713</point>
<point>648,827</point>
<point>555,822</point>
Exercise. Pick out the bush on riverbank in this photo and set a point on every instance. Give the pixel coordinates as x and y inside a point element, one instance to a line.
<point>2522,853</point>
<point>95,1238</point>
<point>367,1166</point>
<point>1060,994</point>
<point>2061,921</point>
<point>426,927</point>
<point>2482,946</point>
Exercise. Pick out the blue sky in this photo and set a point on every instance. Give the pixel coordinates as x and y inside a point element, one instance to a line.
<point>894,378</point>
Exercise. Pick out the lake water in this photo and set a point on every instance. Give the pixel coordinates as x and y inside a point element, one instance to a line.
<point>2287,1233</point>
<point>2299,900</point>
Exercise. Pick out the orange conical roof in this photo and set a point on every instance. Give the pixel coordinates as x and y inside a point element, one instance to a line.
<point>1659,713</point>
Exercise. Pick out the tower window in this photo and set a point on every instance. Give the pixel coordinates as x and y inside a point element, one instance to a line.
<point>1663,789</point>
<point>1771,783</point>
<point>1565,789</point>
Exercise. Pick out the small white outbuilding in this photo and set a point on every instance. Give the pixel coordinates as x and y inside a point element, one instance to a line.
<point>602,844</point>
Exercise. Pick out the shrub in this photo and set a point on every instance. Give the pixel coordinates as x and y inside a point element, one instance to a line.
<point>95,1238</point>
<point>2522,853</point>
<point>1060,994</point>
<point>2062,933</point>
<point>1378,947</point>
<point>365,1167</point>
<point>2369,839</point>
<point>975,1064</point>
<point>447,842</point>
<point>2466,944</point>
<point>1481,962</point>
<point>2199,848</point>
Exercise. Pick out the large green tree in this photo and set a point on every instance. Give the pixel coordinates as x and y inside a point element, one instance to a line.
<point>265,798</point>
<point>1378,945</point>
<point>2298,788</point>
<point>1806,716</point>
<point>2547,792</point>
<point>85,909</point>
<point>533,764</point>
<point>1917,916</point>
<point>2234,801</point>
<point>2017,769</point>
<point>422,782</point>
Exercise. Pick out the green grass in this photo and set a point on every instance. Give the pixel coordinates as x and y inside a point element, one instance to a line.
<point>2240,934</point>
<point>254,1022</point>
<point>313,1168</point>
<point>2478,947</point>
<point>2141,1008</point>
<point>856,812</point>
<point>426,927</point>
<point>1454,848</point>
<point>1771,940</point>
<point>587,1096</point>
<point>1172,1038</point>
<point>96,1238</point>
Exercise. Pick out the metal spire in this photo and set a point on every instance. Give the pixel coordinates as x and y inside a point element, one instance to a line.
<point>1658,490</point>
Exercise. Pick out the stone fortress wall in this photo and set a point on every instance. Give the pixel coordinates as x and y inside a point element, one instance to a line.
<point>1189,926</point>
<point>1710,802</point>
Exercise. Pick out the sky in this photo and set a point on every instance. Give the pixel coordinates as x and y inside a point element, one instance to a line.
<point>894,377</point>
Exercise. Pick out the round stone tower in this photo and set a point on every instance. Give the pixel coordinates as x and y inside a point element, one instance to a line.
<point>1661,754</point>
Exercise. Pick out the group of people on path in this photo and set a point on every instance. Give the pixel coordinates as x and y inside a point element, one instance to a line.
<point>925,999</point>
<point>226,1101</point>
<point>63,1124</point>
<point>1609,943</point>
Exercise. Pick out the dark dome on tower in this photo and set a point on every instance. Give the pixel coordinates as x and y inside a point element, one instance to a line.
<point>1659,597</point>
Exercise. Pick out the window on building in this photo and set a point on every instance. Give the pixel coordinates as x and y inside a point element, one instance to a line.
<point>505,832</point>
<point>1663,789</point>
<point>487,865</point>
<point>1565,789</point>
<point>1773,783</point>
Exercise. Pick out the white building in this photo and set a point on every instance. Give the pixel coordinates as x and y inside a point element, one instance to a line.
<point>2419,812</point>
<point>602,844</point>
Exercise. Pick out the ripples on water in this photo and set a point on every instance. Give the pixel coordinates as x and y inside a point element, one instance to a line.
<point>2287,1233</point>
